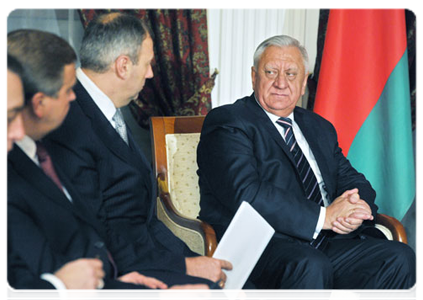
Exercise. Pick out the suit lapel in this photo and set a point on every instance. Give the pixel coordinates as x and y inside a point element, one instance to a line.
<point>102,127</point>
<point>309,132</point>
<point>78,205</point>
<point>268,127</point>
<point>35,176</point>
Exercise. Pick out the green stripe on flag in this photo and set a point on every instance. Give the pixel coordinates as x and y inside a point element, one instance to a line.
<point>382,149</point>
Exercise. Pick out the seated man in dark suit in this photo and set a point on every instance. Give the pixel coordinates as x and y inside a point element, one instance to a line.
<point>79,274</point>
<point>49,224</point>
<point>96,149</point>
<point>285,161</point>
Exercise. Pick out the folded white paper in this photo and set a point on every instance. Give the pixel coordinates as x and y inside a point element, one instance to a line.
<point>243,243</point>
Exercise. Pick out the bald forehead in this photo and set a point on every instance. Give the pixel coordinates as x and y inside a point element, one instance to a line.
<point>107,18</point>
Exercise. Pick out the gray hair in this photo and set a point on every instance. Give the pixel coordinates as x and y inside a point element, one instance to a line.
<point>110,35</point>
<point>280,41</point>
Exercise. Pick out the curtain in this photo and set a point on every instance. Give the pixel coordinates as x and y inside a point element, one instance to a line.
<point>410,18</point>
<point>181,85</point>
<point>62,22</point>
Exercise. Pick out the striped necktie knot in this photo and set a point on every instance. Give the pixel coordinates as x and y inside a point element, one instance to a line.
<point>120,125</point>
<point>285,122</point>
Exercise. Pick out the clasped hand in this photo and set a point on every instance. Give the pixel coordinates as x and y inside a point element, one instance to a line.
<point>347,213</point>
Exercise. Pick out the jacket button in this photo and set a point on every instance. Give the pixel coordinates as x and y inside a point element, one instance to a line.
<point>99,244</point>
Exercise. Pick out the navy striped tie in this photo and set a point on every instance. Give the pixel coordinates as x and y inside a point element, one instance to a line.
<point>307,176</point>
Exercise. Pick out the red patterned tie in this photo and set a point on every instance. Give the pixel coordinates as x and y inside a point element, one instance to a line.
<point>47,165</point>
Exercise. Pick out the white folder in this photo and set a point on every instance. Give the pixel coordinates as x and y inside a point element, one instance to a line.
<point>243,243</point>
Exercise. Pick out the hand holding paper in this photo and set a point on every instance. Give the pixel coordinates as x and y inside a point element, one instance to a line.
<point>243,243</point>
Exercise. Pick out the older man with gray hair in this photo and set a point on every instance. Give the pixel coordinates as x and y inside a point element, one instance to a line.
<point>285,161</point>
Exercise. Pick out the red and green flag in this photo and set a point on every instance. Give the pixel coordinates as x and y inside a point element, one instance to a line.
<point>363,89</point>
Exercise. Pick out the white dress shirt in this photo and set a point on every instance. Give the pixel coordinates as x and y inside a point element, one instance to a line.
<point>303,144</point>
<point>104,103</point>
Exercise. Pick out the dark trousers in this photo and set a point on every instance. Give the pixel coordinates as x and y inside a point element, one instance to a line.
<point>343,264</point>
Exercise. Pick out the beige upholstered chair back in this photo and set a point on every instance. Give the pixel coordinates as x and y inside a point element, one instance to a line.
<point>174,143</point>
<point>182,175</point>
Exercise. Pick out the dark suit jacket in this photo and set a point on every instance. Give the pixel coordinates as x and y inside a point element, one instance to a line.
<point>116,179</point>
<point>242,157</point>
<point>30,288</point>
<point>20,277</point>
<point>46,230</point>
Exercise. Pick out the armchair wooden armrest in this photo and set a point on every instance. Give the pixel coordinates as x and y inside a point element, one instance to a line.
<point>393,225</point>
<point>197,234</point>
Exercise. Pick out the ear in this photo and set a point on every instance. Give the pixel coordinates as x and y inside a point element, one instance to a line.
<point>39,104</point>
<point>253,76</point>
<point>122,66</point>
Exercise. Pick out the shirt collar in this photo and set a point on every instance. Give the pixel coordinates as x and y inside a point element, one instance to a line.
<point>103,102</point>
<point>29,147</point>
<point>273,117</point>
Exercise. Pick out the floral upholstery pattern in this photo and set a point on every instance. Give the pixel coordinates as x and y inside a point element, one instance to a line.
<point>182,172</point>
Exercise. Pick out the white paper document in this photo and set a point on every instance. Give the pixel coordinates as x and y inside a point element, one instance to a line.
<point>243,243</point>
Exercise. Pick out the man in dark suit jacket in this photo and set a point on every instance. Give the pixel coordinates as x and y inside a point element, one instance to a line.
<point>77,280</point>
<point>49,225</point>
<point>108,168</point>
<point>247,152</point>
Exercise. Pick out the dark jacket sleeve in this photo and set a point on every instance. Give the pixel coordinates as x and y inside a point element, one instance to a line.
<point>37,289</point>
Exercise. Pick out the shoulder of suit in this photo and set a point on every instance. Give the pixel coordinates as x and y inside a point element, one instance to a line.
<point>238,107</point>
<point>310,115</point>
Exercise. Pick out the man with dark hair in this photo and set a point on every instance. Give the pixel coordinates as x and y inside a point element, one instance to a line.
<point>97,150</point>
<point>78,274</point>
<point>285,161</point>
<point>49,224</point>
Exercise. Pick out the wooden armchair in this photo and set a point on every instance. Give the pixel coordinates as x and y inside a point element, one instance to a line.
<point>174,148</point>
<point>174,145</point>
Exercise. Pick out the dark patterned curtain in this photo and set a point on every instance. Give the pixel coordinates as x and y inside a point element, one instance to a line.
<point>410,19</point>
<point>181,85</point>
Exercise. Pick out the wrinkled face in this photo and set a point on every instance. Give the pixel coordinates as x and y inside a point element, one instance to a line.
<point>15,103</point>
<point>280,79</point>
<point>142,70</point>
<point>56,108</point>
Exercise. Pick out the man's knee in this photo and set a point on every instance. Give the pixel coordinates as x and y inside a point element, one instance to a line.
<point>310,270</point>
<point>404,260</point>
<point>316,264</point>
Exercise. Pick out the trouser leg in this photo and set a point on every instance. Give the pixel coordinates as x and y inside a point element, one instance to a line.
<point>291,265</point>
<point>371,264</point>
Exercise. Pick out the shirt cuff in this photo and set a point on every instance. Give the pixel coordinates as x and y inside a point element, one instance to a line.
<point>55,281</point>
<point>320,222</point>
